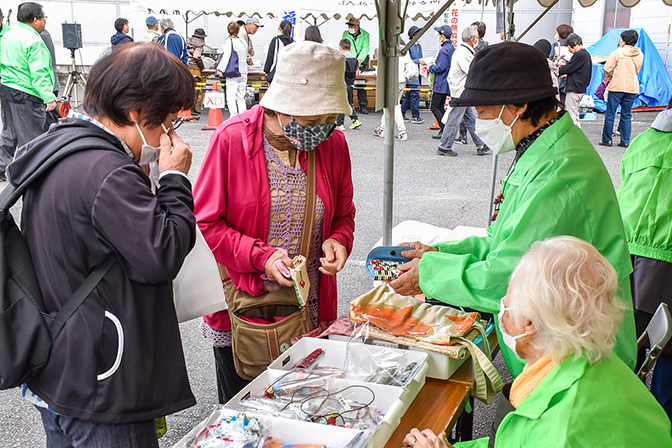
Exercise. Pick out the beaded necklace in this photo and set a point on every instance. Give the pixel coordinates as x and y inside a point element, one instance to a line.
<point>522,146</point>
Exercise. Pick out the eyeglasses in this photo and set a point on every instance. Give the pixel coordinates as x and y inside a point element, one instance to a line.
<point>177,123</point>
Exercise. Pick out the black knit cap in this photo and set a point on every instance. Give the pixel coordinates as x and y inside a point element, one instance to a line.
<point>506,73</point>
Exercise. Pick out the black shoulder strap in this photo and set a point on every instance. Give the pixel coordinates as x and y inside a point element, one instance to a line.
<point>83,291</point>
<point>12,192</point>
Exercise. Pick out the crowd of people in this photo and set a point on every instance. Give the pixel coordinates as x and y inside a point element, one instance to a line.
<point>555,269</point>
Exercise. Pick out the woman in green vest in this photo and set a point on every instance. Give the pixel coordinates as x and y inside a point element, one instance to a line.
<point>557,185</point>
<point>561,315</point>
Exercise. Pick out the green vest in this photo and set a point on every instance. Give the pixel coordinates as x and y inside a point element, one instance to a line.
<point>579,405</point>
<point>560,186</point>
<point>26,63</point>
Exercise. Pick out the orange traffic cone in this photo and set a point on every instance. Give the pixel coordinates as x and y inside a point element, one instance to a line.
<point>434,127</point>
<point>214,115</point>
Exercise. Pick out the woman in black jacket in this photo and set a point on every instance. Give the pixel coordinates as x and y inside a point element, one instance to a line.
<point>283,39</point>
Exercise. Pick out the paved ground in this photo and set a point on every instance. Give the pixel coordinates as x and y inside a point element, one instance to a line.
<point>438,190</point>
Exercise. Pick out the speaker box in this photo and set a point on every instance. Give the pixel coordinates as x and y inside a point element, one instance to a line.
<point>72,35</point>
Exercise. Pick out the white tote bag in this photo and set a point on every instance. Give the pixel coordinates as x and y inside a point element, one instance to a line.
<point>197,289</point>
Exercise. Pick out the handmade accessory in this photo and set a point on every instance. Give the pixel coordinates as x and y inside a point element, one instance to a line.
<point>237,431</point>
<point>410,318</point>
<point>255,343</point>
<point>306,137</point>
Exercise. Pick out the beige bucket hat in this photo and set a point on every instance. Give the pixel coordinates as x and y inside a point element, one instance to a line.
<point>309,80</point>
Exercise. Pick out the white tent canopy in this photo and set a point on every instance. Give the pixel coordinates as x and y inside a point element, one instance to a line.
<point>325,9</point>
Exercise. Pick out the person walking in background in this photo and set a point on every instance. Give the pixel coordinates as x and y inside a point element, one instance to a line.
<point>560,54</point>
<point>359,47</point>
<point>313,34</point>
<point>412,97</point>
<point>52,116</point>
<point>280,41</point>
<point>457,77</point>
<point>578,71</point>
<point>621,72</point>
<point>172,41</point>
<point>152,34</point>
<point>121,37</point>
<point>440,68</point>
<point>482,43</point>
<point>545,47</point>
<point>234,47</point>
<point>248,29</point>
<point>408,70</point>
<point>195,47</point>
<point>351,67</point>
<point>26,84</point>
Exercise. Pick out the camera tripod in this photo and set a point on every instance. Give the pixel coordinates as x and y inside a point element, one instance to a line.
<point>76,81</point>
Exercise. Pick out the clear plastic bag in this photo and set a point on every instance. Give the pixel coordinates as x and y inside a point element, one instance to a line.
<point>376,364</point>
<point>231,430</point>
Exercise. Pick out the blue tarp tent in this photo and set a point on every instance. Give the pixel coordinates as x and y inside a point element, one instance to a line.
<point>655,85</point>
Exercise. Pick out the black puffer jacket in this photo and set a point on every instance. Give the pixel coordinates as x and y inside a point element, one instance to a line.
<point>119,358</point>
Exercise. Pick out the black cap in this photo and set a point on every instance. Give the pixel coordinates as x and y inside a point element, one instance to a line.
<point>200,32</point>
<point>506,73</point>
<point>544,46</point>
<point>412,30</point>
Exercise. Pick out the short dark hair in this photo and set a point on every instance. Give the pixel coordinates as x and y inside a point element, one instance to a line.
<point>536,110</point>
<point>29,11</point>
<point>286,28</point>
<point>344,44</point>
<point>480,26</point>
<point>119,24</point>
<point>630,37</point>
<point>564,30</point>
<point>138,77</point>
<point>313,34</point>
<point>573,40</point>
<point>240,22</point>
<point>233,28</point>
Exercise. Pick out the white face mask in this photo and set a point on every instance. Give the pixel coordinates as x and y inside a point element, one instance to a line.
<point>352,30</point>
<point>496,134</point>
<point>507,339</point>
<point>148,153</point>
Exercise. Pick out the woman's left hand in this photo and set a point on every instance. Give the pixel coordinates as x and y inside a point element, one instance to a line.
<point>334,258</point>
<point>425,439</point>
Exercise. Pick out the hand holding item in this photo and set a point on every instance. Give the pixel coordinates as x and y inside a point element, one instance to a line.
<point>335,256</point>
<point>408,284</point>
<point>425,439</point>
<point>51,106</point>
<point>418,249</point>
<point>274,272</point>
<point>175,155</point>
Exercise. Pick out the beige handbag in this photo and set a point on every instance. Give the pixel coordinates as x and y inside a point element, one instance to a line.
<point>255,346</point>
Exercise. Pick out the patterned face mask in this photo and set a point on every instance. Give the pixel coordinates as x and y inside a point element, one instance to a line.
<point>306,138</point>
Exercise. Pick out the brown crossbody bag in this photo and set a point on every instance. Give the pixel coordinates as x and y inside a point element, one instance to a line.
<point>255,346</point>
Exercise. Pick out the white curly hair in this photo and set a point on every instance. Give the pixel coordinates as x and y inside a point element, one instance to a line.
<point>567,289</point>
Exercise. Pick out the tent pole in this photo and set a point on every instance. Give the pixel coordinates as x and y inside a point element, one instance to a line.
<point>548,8</point>
<point>495,157</point>
<point>390,25</point>
<point>427,26</point>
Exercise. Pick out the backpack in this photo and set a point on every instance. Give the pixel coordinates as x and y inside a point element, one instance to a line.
<point>26,329</point>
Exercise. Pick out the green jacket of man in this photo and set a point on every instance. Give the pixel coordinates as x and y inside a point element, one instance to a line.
<point>26,63</point>
<point>359,45</point>
<point>645,196</point>
<point>581,405</point>
<point>559,186</point>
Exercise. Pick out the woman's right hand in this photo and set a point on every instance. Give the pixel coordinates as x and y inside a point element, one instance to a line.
<point>272,271</point>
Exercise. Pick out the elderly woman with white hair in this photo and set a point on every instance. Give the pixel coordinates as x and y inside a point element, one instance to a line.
<point>561,315</point>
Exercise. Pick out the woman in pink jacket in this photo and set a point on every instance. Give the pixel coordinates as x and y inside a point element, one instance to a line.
<point>250,196</point>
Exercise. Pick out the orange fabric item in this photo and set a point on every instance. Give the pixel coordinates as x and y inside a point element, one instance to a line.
<point>529,379</point>
<point>396,322</point>
<point>464,323</point>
